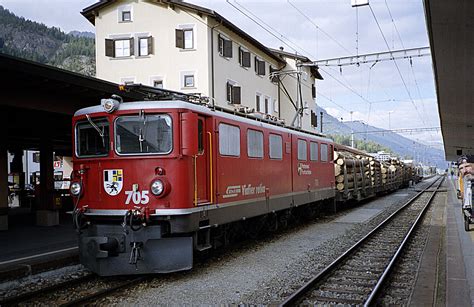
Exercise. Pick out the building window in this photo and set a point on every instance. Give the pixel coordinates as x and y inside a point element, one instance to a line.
<point>314,119</point>
<point>302,150</point>
<point>313,151</point>
<point>185,38</point>
<point>119,48</point>
<point>275,146</point>
<point>254,143</point>
<point>259,67</point>
<point>224,46</point>
<point>244,58</point>
<point>158,83</point>
<point>258,98</point>
<point>324,152</point>
<point>275,105</point>
<point>229,140</point>
<point>126,16</point>
<point>268,108</point>
<point>306,108</point>
<point>145,46</point>
<point>125,13</point>
<point>233,93</point>
<point>127,80</point>
<point>188,80</point>
<point>313,91</point>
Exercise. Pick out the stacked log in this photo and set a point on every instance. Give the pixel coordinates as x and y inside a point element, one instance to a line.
<point>375,172</point>
<point>352,171</point>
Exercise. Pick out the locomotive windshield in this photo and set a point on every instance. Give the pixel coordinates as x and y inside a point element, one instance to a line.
<point>143,134</point>
<point>92,137</point>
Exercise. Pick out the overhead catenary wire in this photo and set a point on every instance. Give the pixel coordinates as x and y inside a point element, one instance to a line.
<point>335,40</point>
<point>257,20</point>
<point>410,59</point>
<point>396,65</point>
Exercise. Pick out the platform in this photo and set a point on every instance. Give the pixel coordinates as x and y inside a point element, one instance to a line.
<point>25,246</point>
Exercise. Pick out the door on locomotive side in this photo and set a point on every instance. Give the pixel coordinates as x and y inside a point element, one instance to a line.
<point>202,161</point>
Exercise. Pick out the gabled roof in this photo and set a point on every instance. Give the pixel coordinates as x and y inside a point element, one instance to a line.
<point>90,12</point>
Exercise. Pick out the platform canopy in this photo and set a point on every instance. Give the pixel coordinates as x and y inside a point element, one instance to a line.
<point>38,100</point>
<point>451,33</point>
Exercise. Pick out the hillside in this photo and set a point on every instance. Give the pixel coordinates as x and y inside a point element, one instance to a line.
<point>48,45</point>
<point>404,147</point>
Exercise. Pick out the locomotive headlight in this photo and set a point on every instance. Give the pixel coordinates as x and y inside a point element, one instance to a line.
<point>109,105</point>
<point>75,189</point>
<point>157,187</point>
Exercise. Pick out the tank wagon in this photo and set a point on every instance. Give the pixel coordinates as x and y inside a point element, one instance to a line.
<point>156,181</point>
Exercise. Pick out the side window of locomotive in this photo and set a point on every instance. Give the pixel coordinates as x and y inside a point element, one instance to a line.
<point>313,151</point>
<point>254,143</point>
<point>275,146</point>
<point>145,134</point>
<point>200,136</point>
<point>302,150</point>
<point>229,140</point>
<point>92,141</point>
<point>324,152</point>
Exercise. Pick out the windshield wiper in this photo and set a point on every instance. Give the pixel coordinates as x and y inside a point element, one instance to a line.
<point>100,132</point>
<point>142,132</point>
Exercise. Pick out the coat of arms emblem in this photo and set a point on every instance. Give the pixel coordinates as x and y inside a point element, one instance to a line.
<point>113,181</point>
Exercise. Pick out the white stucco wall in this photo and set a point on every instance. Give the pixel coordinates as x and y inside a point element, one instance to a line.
<point>167,61</point>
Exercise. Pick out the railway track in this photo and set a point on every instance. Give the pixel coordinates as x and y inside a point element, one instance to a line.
<point>357,276</point>
<point>73,292</point>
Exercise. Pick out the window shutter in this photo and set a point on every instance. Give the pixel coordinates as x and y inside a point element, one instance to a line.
<point>150,45</point>
<point>256,65</point>
<point>132,47</point>
<point>220,43</point>
<point>246,59</point>
<point>228,91</point>
<point>313,90</point>
<point>109,48</point>
<point>179,38</point>
<point>236,95</point>
<point>227,48</point>
<point>241,56</point>
<point>261,68</point>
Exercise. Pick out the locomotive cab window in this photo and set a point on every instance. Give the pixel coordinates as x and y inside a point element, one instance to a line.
<point>324,152</point>
<point>302,150</point>
<point>143,134</point>
<point>92,138</point>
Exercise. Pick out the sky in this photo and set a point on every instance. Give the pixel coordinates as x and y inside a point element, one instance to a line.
<point>383,95</point>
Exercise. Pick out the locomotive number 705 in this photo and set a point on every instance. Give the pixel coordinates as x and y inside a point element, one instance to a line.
<point>137,197</point>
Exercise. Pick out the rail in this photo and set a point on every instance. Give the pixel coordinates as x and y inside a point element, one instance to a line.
<point>317,280</point>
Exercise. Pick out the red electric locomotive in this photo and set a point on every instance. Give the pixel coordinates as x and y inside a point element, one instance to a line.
<point>151,179</point>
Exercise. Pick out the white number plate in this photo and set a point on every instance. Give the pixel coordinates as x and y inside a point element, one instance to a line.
<point>137,197</point>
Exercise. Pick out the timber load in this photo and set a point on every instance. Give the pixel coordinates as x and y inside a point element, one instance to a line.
<point>361,176</point>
